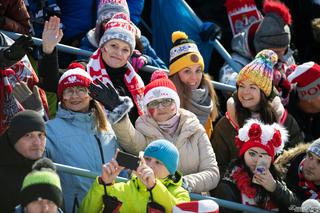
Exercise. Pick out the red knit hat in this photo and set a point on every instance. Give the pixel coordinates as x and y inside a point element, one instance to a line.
<point>208,206</point>
<point>75,76</point>
<point>307,79</point>
<point>270,138</point>
<point>160,87</point>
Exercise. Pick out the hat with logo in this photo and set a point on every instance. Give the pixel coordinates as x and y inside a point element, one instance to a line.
<point>160,87</point>
<point>307,79</point>
<point>75,76</point>
<point>183,53</point>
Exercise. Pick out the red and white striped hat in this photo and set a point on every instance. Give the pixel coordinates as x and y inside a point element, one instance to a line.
<point>201,206</point>
<point>307,79</point>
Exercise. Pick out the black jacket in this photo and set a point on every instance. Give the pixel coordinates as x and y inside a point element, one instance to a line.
<point>13,168</point>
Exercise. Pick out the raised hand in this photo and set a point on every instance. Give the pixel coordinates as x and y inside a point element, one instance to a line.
<point>210,31</point>
<point>28,99</point>
<point>146,174</point>
<point>105,94</point>
<point>51,35</point>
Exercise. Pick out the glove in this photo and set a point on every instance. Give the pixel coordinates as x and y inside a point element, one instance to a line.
<point>106,95</point>
<point>210,31</point>
<point>28,99</point>
<point>138,60</point>
<point>10,55</point>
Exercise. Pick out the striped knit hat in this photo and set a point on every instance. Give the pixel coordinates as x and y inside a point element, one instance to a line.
<point>42,182</point>
<point>307,79</point>
<point>260,71</point>
<point>121,28</point>
<point>183,53</point>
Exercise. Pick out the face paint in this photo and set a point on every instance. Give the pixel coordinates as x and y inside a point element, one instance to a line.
<point>151,111</point>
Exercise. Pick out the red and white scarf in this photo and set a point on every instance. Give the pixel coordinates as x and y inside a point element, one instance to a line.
<point>248,192</point>
<point>132,80</point>
<point>310,189</point>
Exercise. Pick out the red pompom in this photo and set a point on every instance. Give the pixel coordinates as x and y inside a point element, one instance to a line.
<point>271,6</point>
<point>276,139</point>
<point>74,65</point>
<point>255,132</point>
<point>158,74</point>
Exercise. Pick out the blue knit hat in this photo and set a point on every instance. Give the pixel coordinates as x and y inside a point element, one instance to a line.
<point>165,152</point>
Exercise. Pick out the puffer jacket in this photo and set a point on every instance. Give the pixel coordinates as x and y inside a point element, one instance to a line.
<point>197,159</point>
<point>135,196</point>
<point>72,140</point>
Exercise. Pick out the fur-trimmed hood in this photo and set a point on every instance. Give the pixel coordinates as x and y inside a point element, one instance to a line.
<point>282,163</point>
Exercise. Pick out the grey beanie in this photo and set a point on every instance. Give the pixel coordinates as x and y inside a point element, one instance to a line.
<point>271,33</point>
<point>23,123</point>
<point>315,147</point>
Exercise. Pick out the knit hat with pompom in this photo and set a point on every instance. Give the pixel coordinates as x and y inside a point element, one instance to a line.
<point>183,53</point>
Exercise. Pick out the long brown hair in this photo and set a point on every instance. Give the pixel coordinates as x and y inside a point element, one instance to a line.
<point>267,113</point>
<point>100,117</point>
<point>184,93</point>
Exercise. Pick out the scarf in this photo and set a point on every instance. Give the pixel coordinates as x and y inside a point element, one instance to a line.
<point>200,104</point>
<point>132,80</point>
<point>171,125</point>
<point>248,192</point>
<point>310,189</point>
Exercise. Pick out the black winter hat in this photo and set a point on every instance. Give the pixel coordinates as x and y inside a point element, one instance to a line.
<point>24,122</point>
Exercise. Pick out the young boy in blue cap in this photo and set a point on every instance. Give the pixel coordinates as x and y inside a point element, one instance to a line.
<point>156,184</point>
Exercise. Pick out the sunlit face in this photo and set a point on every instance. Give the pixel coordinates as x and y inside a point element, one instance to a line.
<point>31,145</point>
<point>41,206</point>
<point>76,99</point>
<point>115,53</point>
<point>162,109</point>
<point>252,155</point>
<point>160,171</point>
<point>281,51</point>
<point>311,168</point>
<point>191,76</point>
<point>249,94</point>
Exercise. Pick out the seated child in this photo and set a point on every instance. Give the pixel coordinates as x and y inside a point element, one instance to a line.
<point>156,184</point>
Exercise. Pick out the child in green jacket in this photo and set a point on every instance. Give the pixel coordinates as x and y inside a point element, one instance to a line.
<point>156,184</point>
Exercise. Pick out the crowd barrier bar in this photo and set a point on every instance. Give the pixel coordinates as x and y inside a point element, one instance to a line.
<point>224,203</point>
<point>78,51</point>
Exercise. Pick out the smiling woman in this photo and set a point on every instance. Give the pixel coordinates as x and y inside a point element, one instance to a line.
<point>79,135</point>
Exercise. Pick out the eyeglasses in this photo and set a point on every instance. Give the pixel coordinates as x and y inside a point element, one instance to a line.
<point>80,91</point>
<point>165,102</point>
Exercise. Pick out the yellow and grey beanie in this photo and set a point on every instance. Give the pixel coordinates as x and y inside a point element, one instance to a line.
<point>41,183</point>
<point>183,53</point>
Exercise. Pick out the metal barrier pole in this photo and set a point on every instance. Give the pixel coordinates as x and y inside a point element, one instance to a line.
<point>224,203</point>
<point>61,47</point>
<point>225,55</point>
<point>77,51</point>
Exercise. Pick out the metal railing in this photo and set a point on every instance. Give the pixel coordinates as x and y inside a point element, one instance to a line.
<point>81,52</point>
<point>224,203</point>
